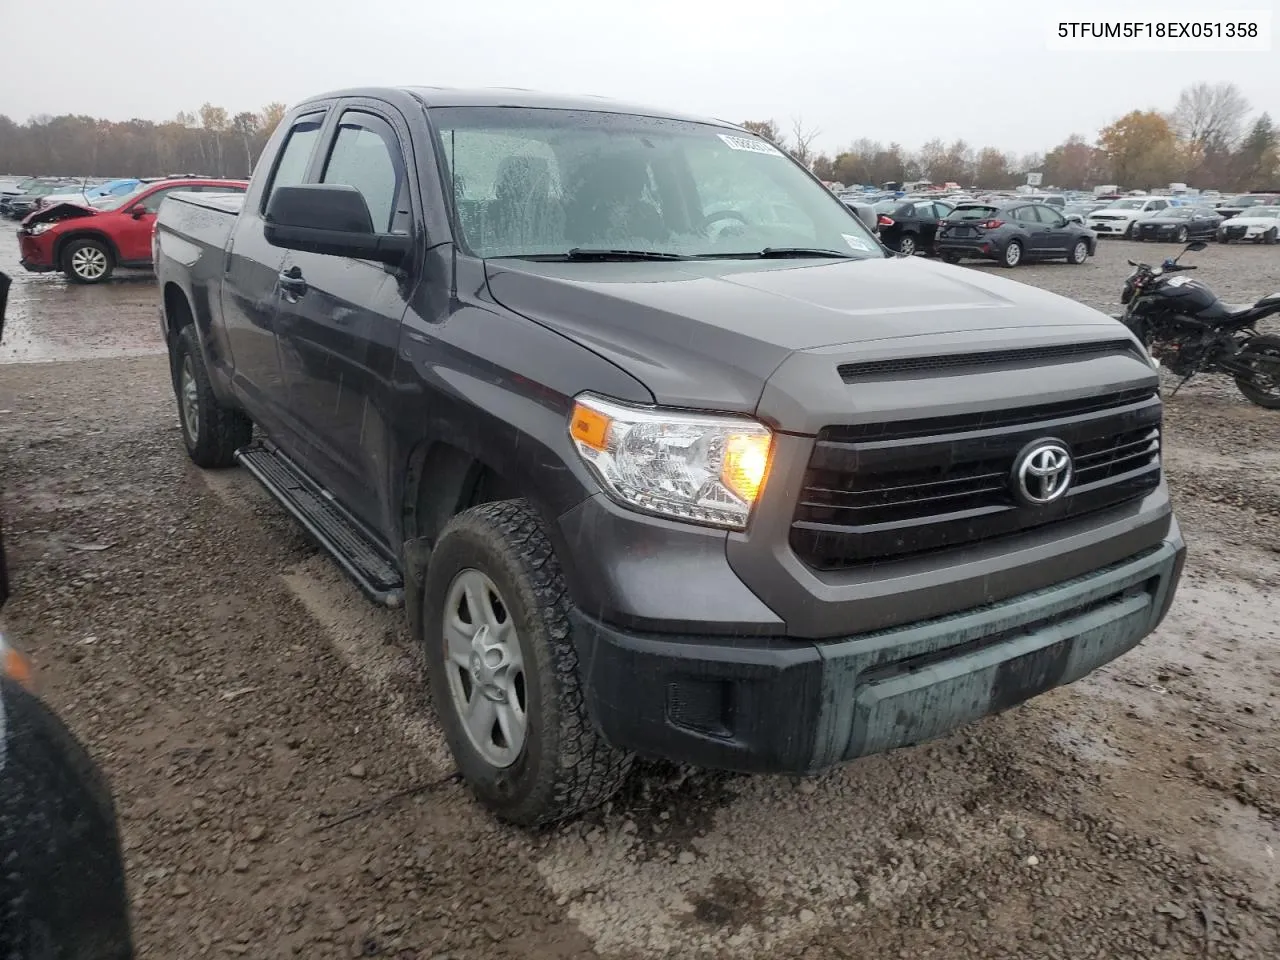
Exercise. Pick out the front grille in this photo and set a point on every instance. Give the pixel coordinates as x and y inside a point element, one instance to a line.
<point>957,362</point>
<point>876,492</point>
<point>1234,233</point>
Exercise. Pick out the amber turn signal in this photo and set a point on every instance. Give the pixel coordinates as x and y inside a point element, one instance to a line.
<point>589,427</point>
<point>746,464</point>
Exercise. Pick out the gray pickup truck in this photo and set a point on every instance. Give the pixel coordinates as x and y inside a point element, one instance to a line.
<point>660,450</point>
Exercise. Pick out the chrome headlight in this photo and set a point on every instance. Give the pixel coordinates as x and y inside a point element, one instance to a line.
<point>40,228</point>
<point>700,468</point>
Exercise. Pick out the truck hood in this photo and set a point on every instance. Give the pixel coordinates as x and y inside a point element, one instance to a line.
<point>709,333</point>
<point>59,211</point>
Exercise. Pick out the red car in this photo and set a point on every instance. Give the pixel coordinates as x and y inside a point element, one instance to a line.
<point>88,243</point>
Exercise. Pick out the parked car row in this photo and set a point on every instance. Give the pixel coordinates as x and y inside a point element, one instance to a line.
<point>89,237</point>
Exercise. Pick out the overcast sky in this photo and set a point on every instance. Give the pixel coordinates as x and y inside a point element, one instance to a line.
<point>904,71</point>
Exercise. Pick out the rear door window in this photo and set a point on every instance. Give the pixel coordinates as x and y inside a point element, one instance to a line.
<point>1028,214</point>
<point>295,155</point>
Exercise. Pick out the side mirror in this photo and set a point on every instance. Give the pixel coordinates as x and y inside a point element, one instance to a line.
<point>332,219</point>
<point>138,212</point>
<point>1197,246</point>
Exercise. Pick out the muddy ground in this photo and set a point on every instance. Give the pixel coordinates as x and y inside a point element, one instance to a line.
<point>284,791</point>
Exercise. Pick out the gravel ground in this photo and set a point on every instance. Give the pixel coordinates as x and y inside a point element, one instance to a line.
<point>284,791</point>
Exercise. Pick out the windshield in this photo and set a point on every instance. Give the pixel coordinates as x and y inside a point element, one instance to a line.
<point>1127,205</point>
<point>530,182</point>
<point>1271,212</point>
<point>1244,201</point>
<point>116,203</point>
<point>1178,213</point>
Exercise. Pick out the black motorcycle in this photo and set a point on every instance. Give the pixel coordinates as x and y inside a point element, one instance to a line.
<point>1188,330</point>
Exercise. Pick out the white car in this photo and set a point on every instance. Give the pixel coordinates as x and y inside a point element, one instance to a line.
<point>1259,224</point>
<point>91,195</point>
<point>1117,218</point>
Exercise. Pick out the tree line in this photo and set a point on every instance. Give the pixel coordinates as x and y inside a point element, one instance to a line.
<point>206,141</point>
<point>1206,140</point>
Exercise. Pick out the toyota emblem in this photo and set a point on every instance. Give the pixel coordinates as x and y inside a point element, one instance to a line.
<point>1042,473</point>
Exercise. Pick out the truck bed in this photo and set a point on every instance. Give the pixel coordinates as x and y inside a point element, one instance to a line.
<point>192,232</point>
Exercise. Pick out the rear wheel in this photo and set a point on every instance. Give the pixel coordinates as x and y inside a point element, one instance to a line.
<point>1079,253</point>
<point>950,258</point>
<point>1263,388</point>
<point>213,433</point>
<point>87,261</point>
<point>1012,253</point>
<point>907,244</point>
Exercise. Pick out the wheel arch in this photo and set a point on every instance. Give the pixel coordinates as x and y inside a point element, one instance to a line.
<point>61,244</point>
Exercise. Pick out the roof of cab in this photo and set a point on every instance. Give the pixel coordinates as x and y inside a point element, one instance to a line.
<point>514,97</point>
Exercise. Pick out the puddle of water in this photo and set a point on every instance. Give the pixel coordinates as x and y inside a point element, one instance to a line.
<point>51,319</point>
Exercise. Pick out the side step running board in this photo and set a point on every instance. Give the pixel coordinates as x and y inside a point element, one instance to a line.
<point>356,552</point>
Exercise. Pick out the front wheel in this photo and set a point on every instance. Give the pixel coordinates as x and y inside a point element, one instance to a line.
<point>1079,253</point>
<point>1012,253</point>
<point>1263,388</point>
<point>504,672</point>
<point>1272,235</point>
<point>1130,232</point>
<point>87,261</point>
<point>1183,235</point>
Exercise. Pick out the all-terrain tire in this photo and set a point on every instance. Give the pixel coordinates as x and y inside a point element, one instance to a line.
<point>565,766</point>
<point>212,432</point>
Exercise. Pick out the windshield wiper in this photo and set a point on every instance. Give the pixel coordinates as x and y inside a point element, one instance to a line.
<point>771,253</point>
<point>590,253</point>
<point>780,253</point>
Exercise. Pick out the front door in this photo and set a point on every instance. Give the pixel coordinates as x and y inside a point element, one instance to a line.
<point>339,320</point>
<point>133,235</point>
<point>1059,237</point>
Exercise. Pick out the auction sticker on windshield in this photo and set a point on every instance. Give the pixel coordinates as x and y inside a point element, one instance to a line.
<point>856,243</point>
<point>748,144</point>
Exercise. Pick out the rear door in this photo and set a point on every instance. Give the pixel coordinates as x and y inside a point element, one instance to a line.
<point>929,225</point>
<point>1038,239</point>
<point>339,332</point>
<point>251,288</point>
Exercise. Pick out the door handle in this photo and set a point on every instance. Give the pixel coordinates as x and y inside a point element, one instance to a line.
<point>293,284</point>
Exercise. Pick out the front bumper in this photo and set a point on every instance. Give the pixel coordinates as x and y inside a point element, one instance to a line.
<point>1109,228</point>
<point>35,256</point>
<point>770,704</point>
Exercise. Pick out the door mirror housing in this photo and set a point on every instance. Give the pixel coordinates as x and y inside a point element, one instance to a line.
<point>138,212</point>
<point>332,219</point>
<point>1197,246</point>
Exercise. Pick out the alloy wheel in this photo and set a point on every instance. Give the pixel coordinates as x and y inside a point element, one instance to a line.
<point>485,668</point>
<point>89,263</point>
